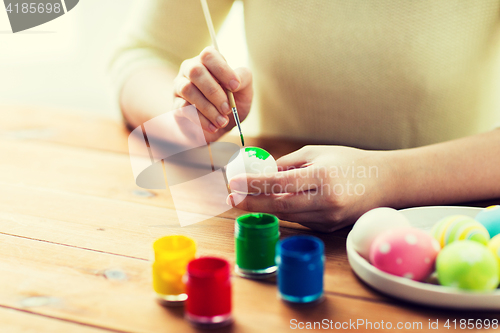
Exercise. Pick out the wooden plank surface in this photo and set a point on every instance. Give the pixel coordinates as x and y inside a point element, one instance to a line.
<point>70,211</point>
<point>70,283</point>
<point>89,131</point>
<point>48,154</point>
<point>128,229</point>
<point>23,321</point>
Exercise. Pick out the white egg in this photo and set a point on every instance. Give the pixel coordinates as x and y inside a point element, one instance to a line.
<point>251,160</point>
<point>373,223</point>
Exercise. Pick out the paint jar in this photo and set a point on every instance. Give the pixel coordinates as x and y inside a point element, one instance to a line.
<point>301,262</point>
<point>255,241</point>
<point>172,255</point>
<point>208,286</point>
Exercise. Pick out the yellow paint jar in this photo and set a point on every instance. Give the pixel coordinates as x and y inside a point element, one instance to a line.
<point>171,256</point>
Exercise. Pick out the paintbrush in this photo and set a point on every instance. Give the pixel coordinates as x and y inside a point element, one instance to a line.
<point>229,93</point>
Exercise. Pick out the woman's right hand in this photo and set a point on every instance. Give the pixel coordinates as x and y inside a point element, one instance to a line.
<point>202,81</point>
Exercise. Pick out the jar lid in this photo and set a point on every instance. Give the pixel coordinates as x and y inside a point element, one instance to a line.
<point>256,226</point>
<point>174,247</point>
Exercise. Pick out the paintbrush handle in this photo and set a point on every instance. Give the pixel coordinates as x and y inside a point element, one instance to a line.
<point>210,25</point>
<point>230,95</point>
<point>232,103</point>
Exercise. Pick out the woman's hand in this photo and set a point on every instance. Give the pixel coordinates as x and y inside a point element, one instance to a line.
<point>202,81</point>
<point>321,187</point>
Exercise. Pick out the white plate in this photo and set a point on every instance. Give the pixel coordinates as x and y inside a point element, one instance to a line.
<point>418,292</point>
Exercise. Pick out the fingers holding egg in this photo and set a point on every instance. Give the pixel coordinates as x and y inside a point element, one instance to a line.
<point>250,160</point>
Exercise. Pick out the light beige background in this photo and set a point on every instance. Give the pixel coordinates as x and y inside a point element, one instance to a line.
<point>63,63</point>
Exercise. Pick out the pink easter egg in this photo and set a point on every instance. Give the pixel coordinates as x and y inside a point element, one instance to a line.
<point>407,252</point>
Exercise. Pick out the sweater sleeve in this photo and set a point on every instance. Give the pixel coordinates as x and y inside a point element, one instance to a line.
<point>163,32</point>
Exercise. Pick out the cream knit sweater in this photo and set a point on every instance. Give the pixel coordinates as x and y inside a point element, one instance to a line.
<point>381,74</point>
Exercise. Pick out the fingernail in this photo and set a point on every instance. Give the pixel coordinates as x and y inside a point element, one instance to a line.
<point>228,200</point>
<point>222,121</point>
<point>212,128</point>
<point>236,198</point>
<point>233,84</point>
<point>225,108</point>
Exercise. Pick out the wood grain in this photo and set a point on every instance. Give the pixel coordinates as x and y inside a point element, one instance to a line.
<point>70,212</point>
<point>80,129</point>
<point>74,129</point>
<point>85,171</point>
<point>73,281</point>
<point>128,229</point>
<point>13,320</point>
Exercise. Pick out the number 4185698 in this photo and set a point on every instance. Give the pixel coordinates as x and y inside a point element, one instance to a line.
<point>34,7</point>
<point>471,324</point>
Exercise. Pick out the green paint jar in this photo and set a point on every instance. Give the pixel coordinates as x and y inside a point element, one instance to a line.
<point>255,239</point>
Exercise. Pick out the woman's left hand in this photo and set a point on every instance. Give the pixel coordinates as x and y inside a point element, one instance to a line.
<point>321,187</point>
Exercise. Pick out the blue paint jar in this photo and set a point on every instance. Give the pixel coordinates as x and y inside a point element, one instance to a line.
<point>301,265</point>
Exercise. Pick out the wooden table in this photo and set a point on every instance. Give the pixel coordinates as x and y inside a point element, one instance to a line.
<point>76,235</point>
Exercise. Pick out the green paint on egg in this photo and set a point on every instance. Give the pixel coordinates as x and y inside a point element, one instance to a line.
<point>257,152</point>
<point>467,265</point>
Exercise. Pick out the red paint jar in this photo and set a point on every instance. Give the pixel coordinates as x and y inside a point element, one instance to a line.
<point>208,287</point>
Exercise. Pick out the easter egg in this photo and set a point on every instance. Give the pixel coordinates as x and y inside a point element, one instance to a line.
<point>494,247</point>
<point>490,218</point>
<point>467,265</point>
<point>459,227</point>
<point>371,224</point>
<point>407,252</point>
<point>251,160</point>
